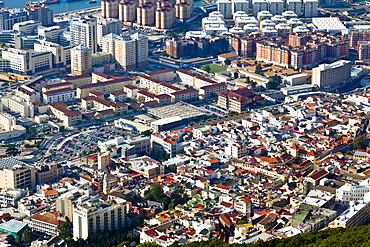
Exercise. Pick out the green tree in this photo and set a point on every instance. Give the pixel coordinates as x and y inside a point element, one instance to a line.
<point>207,68</point>
<point>124,244</point>
<point>156,192</point>
<point>136,198</point>
<point>248,80</point>
<point>65,229</point>
<point>147,132</point>
<point>18,240</point>
<point>172,168</point>
<point>171,205</point>
<point>276,80</point>
<point>272,85</point>
<point>258,69</point>
<point>236,75</point>
<point>12,151</point>
<point>360,142</point>
<point>253,84</point>
<point>141,99</point>
<point>163,155</point>
<point>227,62</point>
<point>28,236</point>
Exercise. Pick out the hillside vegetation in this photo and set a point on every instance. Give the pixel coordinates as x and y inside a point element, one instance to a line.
<point>358,236</point>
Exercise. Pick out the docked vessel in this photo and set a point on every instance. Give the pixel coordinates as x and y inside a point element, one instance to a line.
<point>92,1</point>
<point>51,1</point>
<point>43,2</point>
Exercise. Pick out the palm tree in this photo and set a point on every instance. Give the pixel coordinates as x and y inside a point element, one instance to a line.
<point>12,151</point>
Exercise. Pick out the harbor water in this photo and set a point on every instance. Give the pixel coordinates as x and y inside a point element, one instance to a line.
<point>71,5</point>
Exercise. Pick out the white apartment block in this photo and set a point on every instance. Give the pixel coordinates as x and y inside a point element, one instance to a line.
<point>236,150</point>
<point>44,224</point>
<point>327,75</point>
<point>158,141</point>
<point>117,96</point>
<point>276,7</point>
<point>50,34</point>
<point>27,205</point>
<point>61,55</point>
<point>130,90</point>
<point>9,128</point>
<point>145,96</point>
<point>359,99</point>
<point>84,32</point>
<point>130,52</point>
<point>9,197</point>
<point>101,104</point>
<point>90,217</point>
<point>295,6</point>
<point>240,5</point>
<point>310,8</point>
<point>206,21</point>
<point>147,168</point>
<point>350,192</point>
<point>243,205</point>
<point>263,15</point>
<point>28,62</point>
<point>225,7</point>
<point>190,94</point>
<point>215,29</point>
<point>357,214</point>
<point>149,83</point>
<point>200,132</point>
<point>245,20</point>
<point>186,77</point>
<point>107,26</point>
<point>211,91</point>
<point>27,27</point>
<point>166,75</point>
<point>19,105</point>
<point>200,81</point>
<point>59,95</point>
<point>258,6</point>
<point>7,121</point>
<point>27,93</point>
<point>165,88</point>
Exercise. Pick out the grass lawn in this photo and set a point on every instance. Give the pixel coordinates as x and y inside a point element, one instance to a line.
<point>214,68</point>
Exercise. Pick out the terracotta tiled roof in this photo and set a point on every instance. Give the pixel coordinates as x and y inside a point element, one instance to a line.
<point>101,74</point>
<point>231,95</point>
<point>46,219</point>
<point>38,104</point>
<point>186,72</point>
<point>159,72</point>
<point>185,91</point>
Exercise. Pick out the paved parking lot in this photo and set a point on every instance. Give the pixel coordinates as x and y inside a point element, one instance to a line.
<point>215,109</point>
<point>83,143</point>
